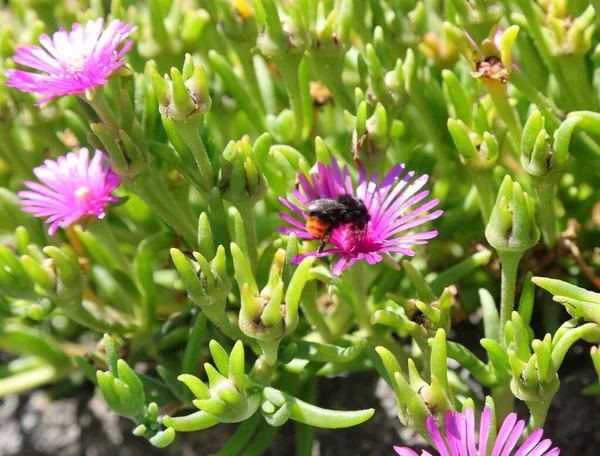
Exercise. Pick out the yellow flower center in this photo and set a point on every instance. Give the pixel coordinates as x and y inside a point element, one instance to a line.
<point>83,195</point>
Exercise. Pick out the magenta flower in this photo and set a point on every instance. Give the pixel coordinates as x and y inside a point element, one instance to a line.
<point>458,438</point>
<point>394,207</point>
<point>74,187</point>
<point>72,61</point>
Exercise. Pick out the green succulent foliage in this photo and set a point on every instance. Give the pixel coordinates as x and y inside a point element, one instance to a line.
<point>201,309</point>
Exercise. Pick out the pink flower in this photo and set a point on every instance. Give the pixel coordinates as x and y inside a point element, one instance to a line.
<point>458,438</point>
<point>74,187</point>
<point>394,207</point>
<point>72,61</point>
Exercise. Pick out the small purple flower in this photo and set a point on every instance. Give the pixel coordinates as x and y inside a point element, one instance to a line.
<point>72,61</point>
<point>393,206</point>
<point>458,438</point>
<point>73,187</point>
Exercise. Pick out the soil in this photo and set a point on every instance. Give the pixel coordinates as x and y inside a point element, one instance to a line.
<point>33,425</point>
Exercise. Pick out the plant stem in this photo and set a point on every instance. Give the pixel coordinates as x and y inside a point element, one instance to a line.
<point>544,190</point>
<point>249,222</point>
<point>330,70</point>
<point>359,302</point>
<point>504,400</point>
<point>191,135</point>
<point>510,266</point>
<point>289,67</point>
<point>576,91</point>
<point>218,316</point>
<point>484,182</point>
<point>313,315</point>
<point>152,189</point>
<point>539,411</point>
<point>101,231</point>
<point>107,116</point>
<point>242,435</point>
<point>497,91</point>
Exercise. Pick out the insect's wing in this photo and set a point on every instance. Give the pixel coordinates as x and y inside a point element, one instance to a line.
<point>324,205</point>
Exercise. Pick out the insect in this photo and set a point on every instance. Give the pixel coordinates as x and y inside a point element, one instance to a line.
<point>326,214</point>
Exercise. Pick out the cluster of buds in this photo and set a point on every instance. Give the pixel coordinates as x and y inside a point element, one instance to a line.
<point>242,181</point>
<point>123,391</point>
<point>184,95</point>
<point>418,399</point>
<point>268,315</point>
<point>227,399</point>
<point>512,227</point>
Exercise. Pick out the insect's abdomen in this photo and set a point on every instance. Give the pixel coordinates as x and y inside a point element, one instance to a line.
<point>316,227</point>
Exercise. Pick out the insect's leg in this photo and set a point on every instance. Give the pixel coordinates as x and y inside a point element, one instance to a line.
<point>325,239</point>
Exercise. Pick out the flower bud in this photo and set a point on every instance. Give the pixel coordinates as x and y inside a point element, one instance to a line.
<point>207,283</point>
<point>272,313</point>
<point>476,152</point>
<point>416,398</point>
<point>534,376</point>
<point>242,180</point>
<point>123,392</point>
<point>183,95</point>
<point>279,37</point>
<point>539,155</point>
<point>512,226</point>
<point>225,399</point>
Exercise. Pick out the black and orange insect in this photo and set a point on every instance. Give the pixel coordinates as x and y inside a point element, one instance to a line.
<point>326,214</point>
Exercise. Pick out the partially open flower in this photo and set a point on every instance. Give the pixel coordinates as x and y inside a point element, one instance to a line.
<point>458,437</point>
<point>392,205</point>
<point>71,62</point>
<point>73,187</point>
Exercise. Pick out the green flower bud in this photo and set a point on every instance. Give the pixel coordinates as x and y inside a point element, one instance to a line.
<point>270,314</point>
<point>280,36</point>
<point>207,283</point>
<point>416,398</point>
<point>237,20</point>
<point>14,280</point>
<point>540,156</point>
<point>242,181</point>
<point>226,398</point>
<point>512,226</point>
<point>182,96</point>
<point>476,152</point>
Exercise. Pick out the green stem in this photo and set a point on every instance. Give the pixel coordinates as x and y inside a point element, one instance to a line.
<point>544,190</point>
<point>246,59</point>
<point>539,411</point>
<point>484,182</point>
<point>191,135</point>
<point>289,67</point>
<point>313,315</point>
<point>330,70</point>
<point>504,400</point>
<point>497,91</point>
<point>359,302</point>
<point>107,116</point>
<point>510,266</point>
<point>249,222</point>
<point>17,160</point>
<point>218,316</point>
<point>152,189</point>
<point>576,91</point>
<point>101,231</point>
<point>240,438</point>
